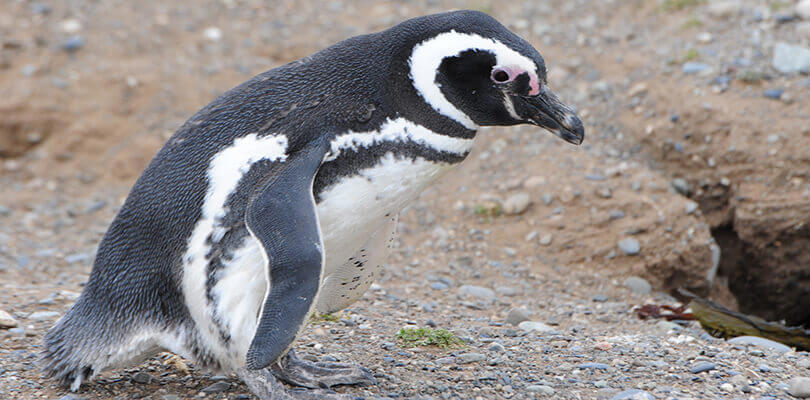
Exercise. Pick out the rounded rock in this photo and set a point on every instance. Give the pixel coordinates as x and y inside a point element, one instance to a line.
<point>516,316</point>
<point>516,204</point>
<point>638,285</point>
<point>629,246</point>
<point>799,387</point>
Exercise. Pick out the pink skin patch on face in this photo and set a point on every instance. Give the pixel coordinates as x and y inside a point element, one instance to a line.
<point>508,73</point>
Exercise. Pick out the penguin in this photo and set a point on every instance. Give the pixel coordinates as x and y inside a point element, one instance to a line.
<point>281,197</point>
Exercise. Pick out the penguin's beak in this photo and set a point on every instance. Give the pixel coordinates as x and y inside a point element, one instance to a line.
<point>547,111</point>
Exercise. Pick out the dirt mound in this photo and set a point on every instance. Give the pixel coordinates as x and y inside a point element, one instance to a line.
<point>746,165</point>
<point>23,126</point>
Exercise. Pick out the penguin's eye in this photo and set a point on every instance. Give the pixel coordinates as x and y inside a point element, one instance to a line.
<point>500,75</point>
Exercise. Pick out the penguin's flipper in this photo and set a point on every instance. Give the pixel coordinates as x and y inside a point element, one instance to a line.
<point>282,216</point>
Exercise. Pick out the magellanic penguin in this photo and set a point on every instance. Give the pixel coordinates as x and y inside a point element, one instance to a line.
<point>281,197</point>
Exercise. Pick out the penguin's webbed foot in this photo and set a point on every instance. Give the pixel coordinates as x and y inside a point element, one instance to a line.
<point>314,375</point>
<point>266,387</point>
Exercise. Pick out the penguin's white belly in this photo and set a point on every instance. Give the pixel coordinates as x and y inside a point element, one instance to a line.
<point>351,210</point>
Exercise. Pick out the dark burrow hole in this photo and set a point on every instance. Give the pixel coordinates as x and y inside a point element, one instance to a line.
<point>772,282</point>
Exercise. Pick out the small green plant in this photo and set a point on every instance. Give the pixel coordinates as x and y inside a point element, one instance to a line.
<point>750,76</point>
<point>778,5</point>
<point>414,337</point>
<point>692,22</point>
<point>488,209</point>
<point>677,5</point>
<point>315,317</point>
<point>690,55</point>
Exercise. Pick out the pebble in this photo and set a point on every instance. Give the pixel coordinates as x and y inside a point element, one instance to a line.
<point>496,347</point>
<point>629,246</point>
<point>17,332</point>
<point>760,342</point>
<point>681,186</point>
<point>516,204</point>
<point>799,387</point>
<point>541,389</point>
<point>7,321</point>
<point>438,286</point>
<point>802,9</point>
<point>547,198</point>
<point>43,315</point>
<point>40,8</point>
<point>593,365</point>
<point>217,387</point>
<point>546,239</point>
<point>633,394</point>
<point>694,67</point>
<point>534,326</point>
<point>724,9</point>
<point>478,291</point>
<point>142,377</point>
<point>616,214</point>
<point>604,193</point>
<point>702,366</point>
<point>73,44</point>
<point>803,363</point>
<point>213,34</point>
<point>516,316</point>
<point>691,207</point>
<point>788,58</point>
<point>468,358</point>
<point>774,94</point>
<point>600,298</point>
<point>638,285</point>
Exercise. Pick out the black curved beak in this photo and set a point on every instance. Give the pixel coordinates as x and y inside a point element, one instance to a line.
<point>547,111</point>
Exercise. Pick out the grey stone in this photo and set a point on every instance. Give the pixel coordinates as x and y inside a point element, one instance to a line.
<point>8,321</point>
<point>760,342</point>
<point>73,44</point>
<point>694,67</point>
<point>496,347</point>
<point>788,58</point>
<point>72,396</point>
<point>43,315</point>
<point>478,291</point>
<point>468,358</point>
<point>516,316</point>
<point>547,198</point>
<point>546,239</point>
<point>593,365</point>
<point>638,285</point>
<point>217,387</point>
<point>803,363</point>
<point>633,394</point>
<point>170,397</point>
<point>682,186</point>
<point>544,390</point>
<point>516,203</point>
<point>600,298</point>
<point>534,326</point>
<point>799,386</point>
<point>691,207</point>
<point>802,9</point>
<point>616,214</point>
<point>629,246</point>
<point>774,94</point>
<point>142,377</point>
<point>438,286</point>
<point>703,366</point>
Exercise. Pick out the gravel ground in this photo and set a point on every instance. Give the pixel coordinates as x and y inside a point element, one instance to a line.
<point>682,101</point>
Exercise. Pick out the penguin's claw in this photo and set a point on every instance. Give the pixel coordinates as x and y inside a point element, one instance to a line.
<point>315,375</point>
<point>266,387</point>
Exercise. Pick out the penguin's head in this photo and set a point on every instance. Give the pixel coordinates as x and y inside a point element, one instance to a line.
<point>470,68</point>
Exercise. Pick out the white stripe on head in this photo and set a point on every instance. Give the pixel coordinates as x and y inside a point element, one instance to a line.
<point>427,56</point>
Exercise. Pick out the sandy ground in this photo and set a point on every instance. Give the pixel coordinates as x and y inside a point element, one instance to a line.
<point>685,155</point>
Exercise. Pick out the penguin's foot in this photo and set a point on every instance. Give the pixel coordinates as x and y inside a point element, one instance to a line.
<point>298,372</point>
<point>266,387</point>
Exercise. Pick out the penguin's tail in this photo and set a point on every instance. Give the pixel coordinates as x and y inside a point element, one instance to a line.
<point>70,348</point>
